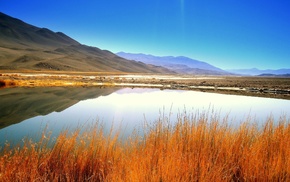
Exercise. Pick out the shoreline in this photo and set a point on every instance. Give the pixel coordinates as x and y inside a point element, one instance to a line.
<point>236,85</point>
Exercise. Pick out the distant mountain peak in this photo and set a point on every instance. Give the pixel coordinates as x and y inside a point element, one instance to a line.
<point>179,64</point>
<point>256,71</point>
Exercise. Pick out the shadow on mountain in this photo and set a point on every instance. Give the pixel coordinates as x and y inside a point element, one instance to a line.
<point>19,104</point>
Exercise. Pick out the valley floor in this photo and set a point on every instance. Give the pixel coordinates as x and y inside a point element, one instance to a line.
<point>252,86</point>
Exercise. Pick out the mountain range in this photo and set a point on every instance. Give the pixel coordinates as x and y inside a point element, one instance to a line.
<point>180,64</point>
<point>255,71</point>
<point>27,47</point>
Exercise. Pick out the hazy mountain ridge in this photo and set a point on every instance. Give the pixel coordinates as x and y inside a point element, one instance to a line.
<point>180,64</point>
<point>27,47</point>
<point>255,71</point>
<point>274,75</point>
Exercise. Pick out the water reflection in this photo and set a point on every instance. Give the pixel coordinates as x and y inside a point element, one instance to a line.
<point>126,107</point>
<point>18,104</point>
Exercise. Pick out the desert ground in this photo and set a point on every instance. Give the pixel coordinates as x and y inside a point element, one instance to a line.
<point>272,87</point>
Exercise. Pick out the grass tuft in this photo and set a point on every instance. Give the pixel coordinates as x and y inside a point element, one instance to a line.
<point>194,148</point>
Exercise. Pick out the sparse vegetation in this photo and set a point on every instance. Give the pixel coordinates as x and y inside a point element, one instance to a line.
<point>2,83</point>
<point>251,86</point>
<point>197,147</point>
<point>9,83</point>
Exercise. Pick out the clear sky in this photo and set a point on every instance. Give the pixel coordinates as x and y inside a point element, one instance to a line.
<point>224,33</point>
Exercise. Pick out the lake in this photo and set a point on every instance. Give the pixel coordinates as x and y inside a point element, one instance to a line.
<point>25,112</point>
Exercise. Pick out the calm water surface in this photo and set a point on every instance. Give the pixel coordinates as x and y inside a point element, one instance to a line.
<point>60,108</point>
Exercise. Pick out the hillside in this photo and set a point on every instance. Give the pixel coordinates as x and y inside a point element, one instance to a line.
<point>27,47</point>
<point>180,64</point>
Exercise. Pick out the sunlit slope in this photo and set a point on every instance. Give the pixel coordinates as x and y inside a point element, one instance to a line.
<point>24,46</point>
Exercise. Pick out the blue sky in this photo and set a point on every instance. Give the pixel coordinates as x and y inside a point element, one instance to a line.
<point>224,33</point>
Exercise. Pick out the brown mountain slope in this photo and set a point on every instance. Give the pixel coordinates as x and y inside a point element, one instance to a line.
<point>26,47</point>
<point>15,33</point>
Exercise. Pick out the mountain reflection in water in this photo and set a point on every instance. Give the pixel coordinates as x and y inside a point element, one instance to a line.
<point>18,104</point>
<point>62,108</point>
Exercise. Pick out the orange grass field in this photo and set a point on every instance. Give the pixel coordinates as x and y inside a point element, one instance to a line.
<point>197,147</point>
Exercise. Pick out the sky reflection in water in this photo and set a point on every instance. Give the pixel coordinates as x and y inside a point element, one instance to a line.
<point>131,107</point>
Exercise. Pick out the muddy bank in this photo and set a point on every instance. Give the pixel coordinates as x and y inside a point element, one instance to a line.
<point>252,86</point>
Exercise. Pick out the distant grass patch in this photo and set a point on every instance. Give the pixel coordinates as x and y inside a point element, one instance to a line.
<point>4,83</point>
<point>196,147</point>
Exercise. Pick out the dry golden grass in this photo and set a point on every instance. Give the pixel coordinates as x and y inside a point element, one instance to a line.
<point>6,83</point>
<point>198,147</point>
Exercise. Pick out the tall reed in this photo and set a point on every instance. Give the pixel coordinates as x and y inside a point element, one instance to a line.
<point>195,147</point>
